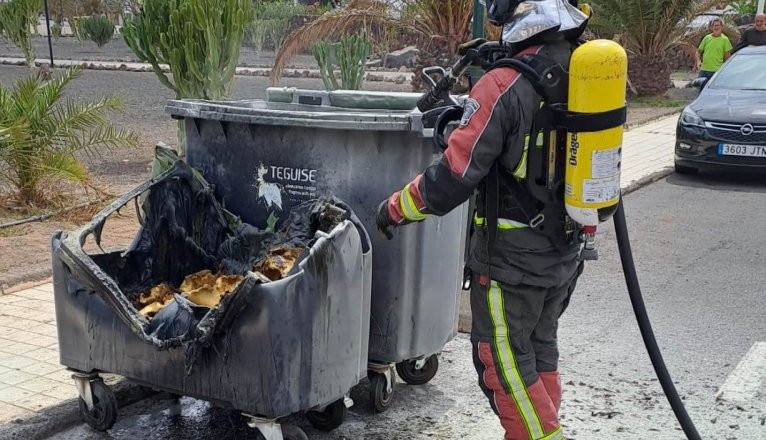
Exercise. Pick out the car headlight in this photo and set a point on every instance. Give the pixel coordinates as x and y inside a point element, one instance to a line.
<point>690,117</point>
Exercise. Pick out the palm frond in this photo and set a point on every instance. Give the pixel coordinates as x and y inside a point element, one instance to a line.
<point>40,134</point>
<point>648,27</point>
<point>331,25</point>
<point>65,126</point>
<point>63,166</point>
<point>104,137</point>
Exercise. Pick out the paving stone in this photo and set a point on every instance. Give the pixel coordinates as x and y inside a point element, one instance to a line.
<point>10,412</point>
<point>37,402</point>
<point>39,384</point>
<point>9,299</point>
<point>13,394</point>
<point>45,288</point>
<point>37,294</point>
<point>63,391</point>
<point>43,355</point>
<point>19,323</point>
<point>42,368</point>
<point>62,376</point>
<point>15,362</point>
<point>17,347</point>
<point>13,377</point>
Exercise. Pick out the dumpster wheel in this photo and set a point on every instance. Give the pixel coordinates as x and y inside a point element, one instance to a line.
<point>103,413</point>
<point>418,372</point>
<point>380,394</point>
<point>329,419</point>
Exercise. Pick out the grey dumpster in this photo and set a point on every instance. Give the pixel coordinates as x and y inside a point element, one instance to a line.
<point>270,349</point>
<point>264,156</point>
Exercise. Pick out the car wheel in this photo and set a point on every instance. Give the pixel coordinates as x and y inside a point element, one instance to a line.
<point>680,169</point>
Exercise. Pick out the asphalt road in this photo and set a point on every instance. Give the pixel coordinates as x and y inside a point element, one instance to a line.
<point>699,249</point>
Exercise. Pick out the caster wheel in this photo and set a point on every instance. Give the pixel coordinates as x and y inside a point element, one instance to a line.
<point>104,412</point>
<point>329,419</point>
<point>414,376</point>
<point>379,395</point>
<point>290,432</point>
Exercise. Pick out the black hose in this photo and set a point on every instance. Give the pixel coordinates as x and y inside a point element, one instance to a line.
<point>634,290</point>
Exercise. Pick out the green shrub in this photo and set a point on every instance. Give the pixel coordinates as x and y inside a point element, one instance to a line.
<point>255,34</point>
<point>199,40</point>
<point>56,31</point>
<point>273,18</point>
<point>40,136</point>
<point>16,19</point>
<point>745,7</point>
<point>349,55</point>
<point>97,29</point>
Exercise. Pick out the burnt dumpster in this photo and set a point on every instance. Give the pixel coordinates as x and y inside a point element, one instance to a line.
<point>265,156</point>
<point>267,321</point>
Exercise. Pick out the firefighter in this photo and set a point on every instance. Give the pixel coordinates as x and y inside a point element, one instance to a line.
<point>523,280</point>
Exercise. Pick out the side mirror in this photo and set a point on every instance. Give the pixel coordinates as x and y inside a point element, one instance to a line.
<point>699,83</point>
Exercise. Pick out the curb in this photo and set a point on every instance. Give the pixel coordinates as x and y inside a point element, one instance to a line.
<point>372,76</point>
<point>26,281</point>
<point>670,112</point>
<point>66,414</point>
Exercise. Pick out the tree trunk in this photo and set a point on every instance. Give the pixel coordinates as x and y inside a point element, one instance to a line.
<point>650,75</point>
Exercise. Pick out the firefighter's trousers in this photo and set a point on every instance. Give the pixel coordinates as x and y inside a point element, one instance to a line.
<point>516,353</point>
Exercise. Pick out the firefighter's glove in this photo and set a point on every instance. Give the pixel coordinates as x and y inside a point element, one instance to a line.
<point>476,42</point>
<point>383,220</point>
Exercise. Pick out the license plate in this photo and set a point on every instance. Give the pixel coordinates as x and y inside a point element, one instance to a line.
<point>742,150</point>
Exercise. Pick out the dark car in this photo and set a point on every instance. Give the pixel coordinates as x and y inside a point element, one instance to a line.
<point>725,127</point>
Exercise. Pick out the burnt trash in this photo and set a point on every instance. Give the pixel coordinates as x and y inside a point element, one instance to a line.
<point>270,321</point>
<point>188,254</point>
<point>265,156</point>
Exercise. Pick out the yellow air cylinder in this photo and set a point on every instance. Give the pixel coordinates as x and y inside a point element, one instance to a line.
<point>598,73</point>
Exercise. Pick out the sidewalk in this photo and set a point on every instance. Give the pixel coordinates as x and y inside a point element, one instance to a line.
<point>30,375</point>
<point>31,378</point>
<point>371,75</point>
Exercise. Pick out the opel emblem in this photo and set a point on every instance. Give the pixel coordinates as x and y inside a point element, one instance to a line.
<point>747,129</point>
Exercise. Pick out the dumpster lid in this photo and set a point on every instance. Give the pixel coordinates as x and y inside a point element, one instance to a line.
<point>297,115</point>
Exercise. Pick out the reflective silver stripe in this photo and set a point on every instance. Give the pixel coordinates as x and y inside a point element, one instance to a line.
<point>508,367</point>
<point>409,208</point>
<point>558,434</point>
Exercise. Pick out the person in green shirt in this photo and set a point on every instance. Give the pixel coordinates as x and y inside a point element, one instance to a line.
<point>714,49</point>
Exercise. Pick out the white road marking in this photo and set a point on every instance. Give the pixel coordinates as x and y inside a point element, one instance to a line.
<point>748,377</point>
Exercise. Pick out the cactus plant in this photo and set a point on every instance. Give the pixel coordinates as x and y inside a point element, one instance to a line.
<point>350,55</point>
<point>198,39</point>
<point>17,17</point>
<point>56,31</point>
<point>97,29</point>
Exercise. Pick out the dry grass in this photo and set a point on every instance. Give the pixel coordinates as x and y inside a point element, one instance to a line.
<point>13,231</point>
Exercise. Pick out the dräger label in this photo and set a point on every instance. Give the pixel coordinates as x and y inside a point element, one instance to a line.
<point>573,147</point>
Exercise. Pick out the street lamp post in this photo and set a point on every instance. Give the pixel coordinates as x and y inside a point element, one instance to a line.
<point>477,31</point>
<point>48,27</point>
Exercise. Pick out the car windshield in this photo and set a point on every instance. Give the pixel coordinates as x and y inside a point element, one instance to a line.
<point>743,72</point>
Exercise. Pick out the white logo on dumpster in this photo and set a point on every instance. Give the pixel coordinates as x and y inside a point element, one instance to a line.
<point>298,184</point>
<point>269,192</point>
